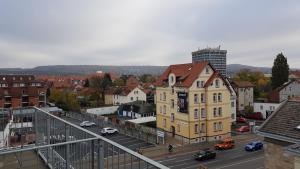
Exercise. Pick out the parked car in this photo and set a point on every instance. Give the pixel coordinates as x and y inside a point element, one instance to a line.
<point>226,144</point>
<point>241,120</point>
<point>254,145</point>
<point>255,116</point>
<point>205,155</point>
<point>243,129</point>
<point>108,130</point>
<point>87,124</point>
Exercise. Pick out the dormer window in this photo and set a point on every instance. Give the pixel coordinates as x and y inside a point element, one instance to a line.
<point>172,79</point>
<point>217,83</point>
<point>207,70</point>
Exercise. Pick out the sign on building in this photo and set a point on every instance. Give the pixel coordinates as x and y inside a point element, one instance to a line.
<point>182,102</point>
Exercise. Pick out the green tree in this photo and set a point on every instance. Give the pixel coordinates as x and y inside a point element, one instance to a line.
<point>119,82</point>
<point>65,100</point>
<point>280,71</point>
<point>100,85</point>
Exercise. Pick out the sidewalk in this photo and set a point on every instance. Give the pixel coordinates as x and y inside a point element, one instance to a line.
<point>160,151</point>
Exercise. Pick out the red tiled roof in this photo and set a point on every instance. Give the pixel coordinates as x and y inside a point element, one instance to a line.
<point>295,73</point>
<point>185,73</point>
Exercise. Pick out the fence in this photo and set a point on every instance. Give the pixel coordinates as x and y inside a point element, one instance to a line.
<point>60,144</point>
<point>143,133</point>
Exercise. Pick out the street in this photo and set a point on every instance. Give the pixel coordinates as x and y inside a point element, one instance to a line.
<point>227,159</point>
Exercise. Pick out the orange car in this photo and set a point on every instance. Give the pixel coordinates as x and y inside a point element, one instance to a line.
<point>226,144</point>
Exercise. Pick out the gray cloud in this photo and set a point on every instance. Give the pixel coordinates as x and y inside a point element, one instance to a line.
<point>140,32</point>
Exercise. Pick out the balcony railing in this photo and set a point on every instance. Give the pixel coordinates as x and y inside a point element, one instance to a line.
<point>56,143</point>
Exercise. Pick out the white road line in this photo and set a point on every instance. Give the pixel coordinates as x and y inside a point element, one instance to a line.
<point>253,159</point>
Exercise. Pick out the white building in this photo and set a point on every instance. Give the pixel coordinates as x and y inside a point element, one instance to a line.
<point>244,92</point>
<point>232,101</point>
<point>288,90</point>
<point>266,109</point>
<point>125,95</point>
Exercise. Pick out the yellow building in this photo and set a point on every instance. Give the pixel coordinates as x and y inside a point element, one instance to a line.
<point>193,103</point>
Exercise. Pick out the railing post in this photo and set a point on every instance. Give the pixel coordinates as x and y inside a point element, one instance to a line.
<point>67,134</point>
<point>48,139</point>
<point>36,127</point>
<point>92,151</point>
<point>100,154</point>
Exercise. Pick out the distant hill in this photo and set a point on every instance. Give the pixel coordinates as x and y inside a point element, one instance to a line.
<point>85,69</point>
<point>235,68</point>
<point>132,70</point>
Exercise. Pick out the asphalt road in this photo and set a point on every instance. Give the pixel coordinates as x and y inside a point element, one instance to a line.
<point>236,158</point>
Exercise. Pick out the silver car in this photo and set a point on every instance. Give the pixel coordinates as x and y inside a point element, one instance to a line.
<point>87,124</point>
<point>108,130</point>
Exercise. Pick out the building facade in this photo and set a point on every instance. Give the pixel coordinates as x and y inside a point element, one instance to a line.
<point>21,91</point>
<point>266,109</point>
<point>193,103</point>
<point>126,95</point>
<point>288,90</point>
<point>244,91</point>
<point>215,56</point>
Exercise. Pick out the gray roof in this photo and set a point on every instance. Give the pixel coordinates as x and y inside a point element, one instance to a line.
<point>283,123</point>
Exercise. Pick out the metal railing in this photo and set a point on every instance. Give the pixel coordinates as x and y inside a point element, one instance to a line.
<point>61,144</point>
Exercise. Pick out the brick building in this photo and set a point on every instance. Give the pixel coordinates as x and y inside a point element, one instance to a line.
<point>21,91</point>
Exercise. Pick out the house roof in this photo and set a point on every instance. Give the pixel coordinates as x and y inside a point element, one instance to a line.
<point>243,84</point>
<point>185,74</point>
<point>295,73</point>
<point>285,85</point>
<point>282,124</point>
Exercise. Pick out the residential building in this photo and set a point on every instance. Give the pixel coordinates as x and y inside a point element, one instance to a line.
<point>215,56</point>
<point>233,98</point>
<point>294,75</point>
<point>193,103</point>
<point>281,132</point>
<point>244,91</point>
<point>123,95</point>
<point>21,91</point>
<point>265,108</point>
<point>287,90</point>
<point>136,109</point>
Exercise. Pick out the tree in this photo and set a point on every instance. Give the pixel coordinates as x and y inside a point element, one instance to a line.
<point>280,71</point>
<point>65,100</point>
<point>86,83</point>
<point>106,82</point>
<point>100,85</point>
<point>119,82</point>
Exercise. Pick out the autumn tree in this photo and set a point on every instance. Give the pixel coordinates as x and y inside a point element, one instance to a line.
<point>280,71</point>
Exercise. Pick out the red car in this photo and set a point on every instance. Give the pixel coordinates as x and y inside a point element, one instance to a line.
<point>255,116</point>
<point>243,129</point>
<point>241,120</point>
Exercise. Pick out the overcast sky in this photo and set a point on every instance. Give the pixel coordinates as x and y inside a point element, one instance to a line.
<point>146,32</point>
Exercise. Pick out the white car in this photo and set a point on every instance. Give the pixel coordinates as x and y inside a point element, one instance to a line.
<point>87,124</point>
<point>108,130</point>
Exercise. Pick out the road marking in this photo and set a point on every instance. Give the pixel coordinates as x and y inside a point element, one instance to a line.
<point>226,166</point>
